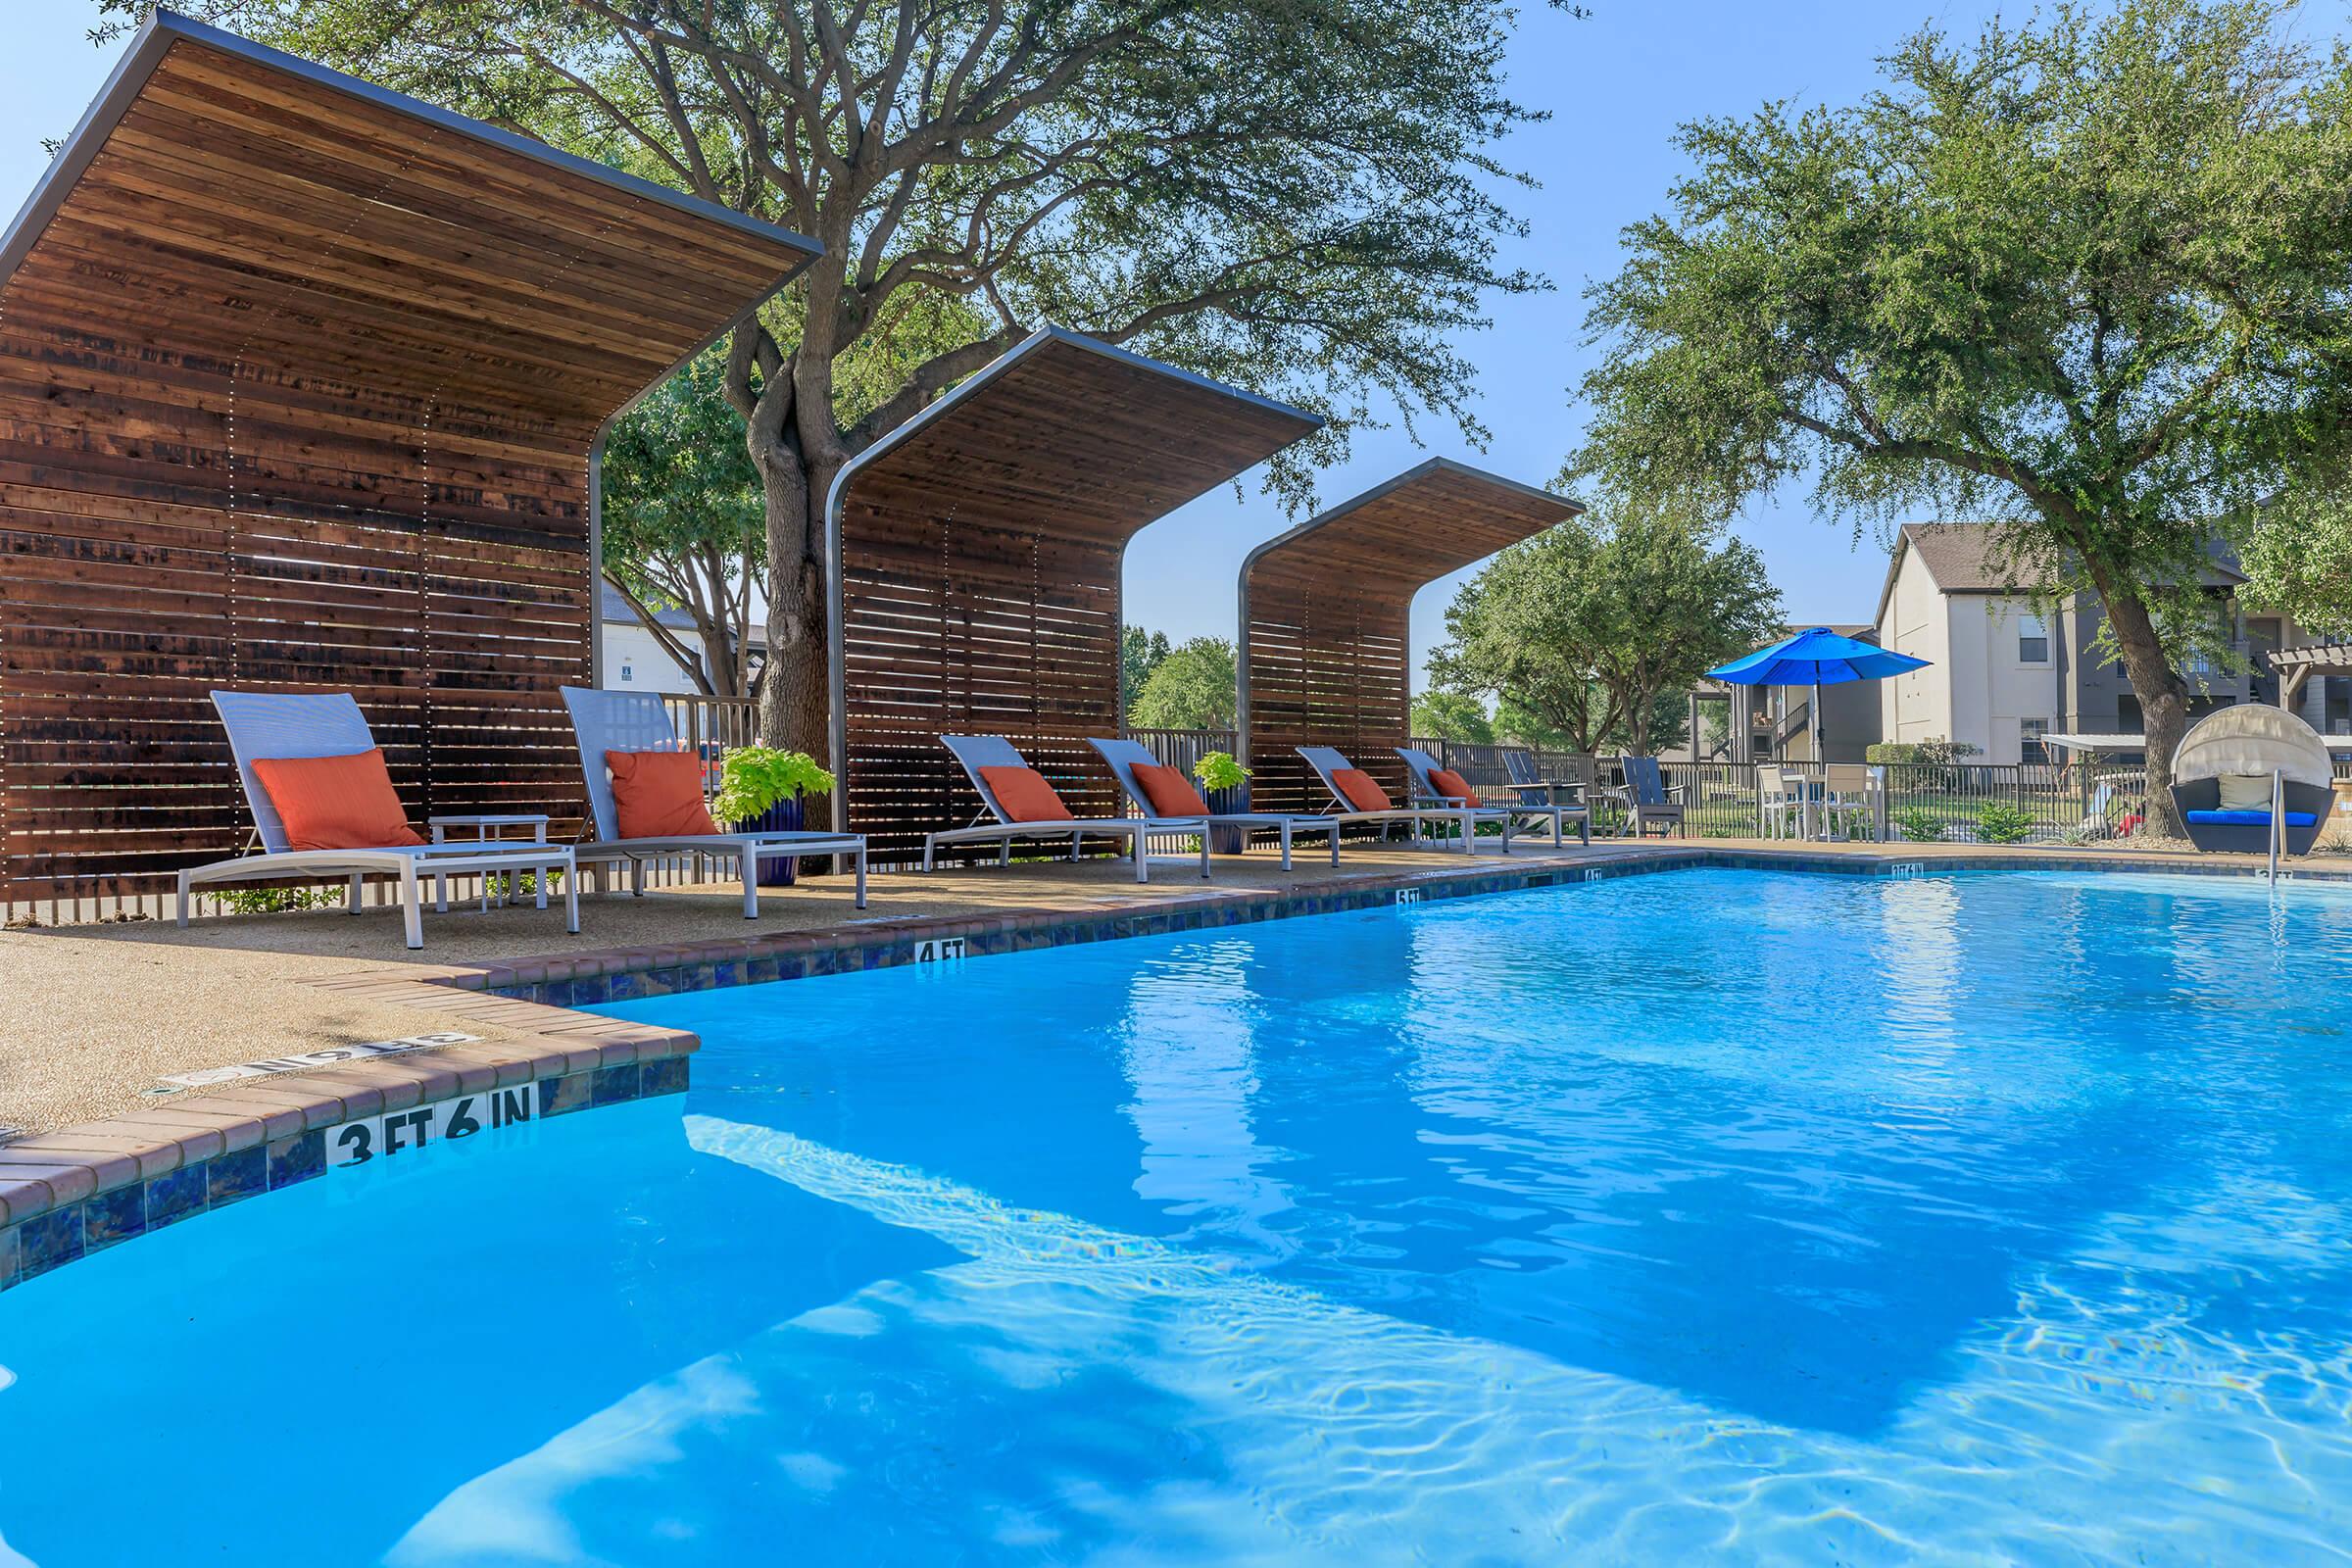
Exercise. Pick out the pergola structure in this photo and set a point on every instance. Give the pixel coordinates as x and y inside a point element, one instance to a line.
<point>2295,666</point>
<point>302,384</point>
<point>976,581</point>
<point>1326,653</point>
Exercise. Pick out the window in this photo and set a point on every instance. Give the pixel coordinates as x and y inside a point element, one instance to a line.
<point>625,672</point>
<point>2033,640</point>
<point>2030,733</point>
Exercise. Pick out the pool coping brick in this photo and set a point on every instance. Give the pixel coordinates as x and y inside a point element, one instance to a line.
<point>80,1190</point>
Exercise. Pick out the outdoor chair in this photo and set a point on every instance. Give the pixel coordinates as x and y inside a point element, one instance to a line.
<point>2235,764</point>
<point>1648,798</point>
<point>1845,799</point>
<point>984,755</point>
<point>2095,824</point>
<point>1123,755</point>
<point>604,722</point>
<point>287,727</point>
<point>1530,784</point>
<point>1532,805</point>
<point>1329,765</point>
<point>1780,802</point>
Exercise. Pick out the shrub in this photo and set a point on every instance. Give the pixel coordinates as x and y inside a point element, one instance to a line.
<point>757,777</point>
<point>1919,824</point>
<point>1217,770</point>
<point>276,901</point>
<point>2002,823</point>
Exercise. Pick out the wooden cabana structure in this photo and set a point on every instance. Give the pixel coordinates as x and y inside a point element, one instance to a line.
<point>302,384</point>
<point>1326,653</point>
<point>977,553</point>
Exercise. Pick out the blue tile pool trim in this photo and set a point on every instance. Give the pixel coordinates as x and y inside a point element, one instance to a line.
<point>73,1231</point>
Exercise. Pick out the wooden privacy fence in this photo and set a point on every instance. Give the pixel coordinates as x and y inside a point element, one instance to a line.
<point>979,550</point>
<point>1326,652</point>
<point>299,386</point>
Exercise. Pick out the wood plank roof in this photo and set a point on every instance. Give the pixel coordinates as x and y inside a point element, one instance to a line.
<point>976,567</point>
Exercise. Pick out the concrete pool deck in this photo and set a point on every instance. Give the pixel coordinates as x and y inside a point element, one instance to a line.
<point>105,1011</point>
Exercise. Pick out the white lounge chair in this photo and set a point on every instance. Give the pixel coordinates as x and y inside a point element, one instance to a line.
<point>636,722</point>
<point>1326,762</point>
<point>274,725</point>
<point>976,752</point>
<point>1425,791</point>
<point>1122,755</point>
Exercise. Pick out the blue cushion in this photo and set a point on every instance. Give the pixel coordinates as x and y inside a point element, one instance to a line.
<point>2249,819</point>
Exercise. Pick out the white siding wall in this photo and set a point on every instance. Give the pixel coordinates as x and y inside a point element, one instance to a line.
<point>1917,707</point>
<point>635,663</point>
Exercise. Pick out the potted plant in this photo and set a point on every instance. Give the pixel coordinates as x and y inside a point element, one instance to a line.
<point>1226,785</point>
<point>759,791</point>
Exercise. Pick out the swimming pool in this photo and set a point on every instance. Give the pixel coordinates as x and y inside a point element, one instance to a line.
<point>1709,1215</point>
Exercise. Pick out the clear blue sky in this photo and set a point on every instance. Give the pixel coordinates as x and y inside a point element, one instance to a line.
<point>1616,84</point>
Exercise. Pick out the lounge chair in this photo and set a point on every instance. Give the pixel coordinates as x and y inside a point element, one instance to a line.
<point>978,752</point>
<point>2234,762</point>
<point>636,722</point>
<point>287,727</point>
<point>1122,758</point>
<point>1648,798</point>
<point>1329,764</point>
<point>1530,804</point>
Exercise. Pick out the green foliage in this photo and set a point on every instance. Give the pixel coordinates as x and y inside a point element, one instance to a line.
<point>2082,277</point>
<point>1451,717</point>
<point>685,523</point>
<point>1193,687</point>
<point>757,777</point>
<point>277,901</point>
<point>1936,752</point>
<point>1140,654</point>
<point>2297,557</point>
<point>1593,630</point>
<point>1217,770</point>
<point>1999,822</point>
<point>1919,824</point>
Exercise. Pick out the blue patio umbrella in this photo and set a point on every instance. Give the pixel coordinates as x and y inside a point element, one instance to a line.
<point>1816,657</point>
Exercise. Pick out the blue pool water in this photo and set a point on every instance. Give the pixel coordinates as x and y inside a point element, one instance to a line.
<point>1709,1216</point>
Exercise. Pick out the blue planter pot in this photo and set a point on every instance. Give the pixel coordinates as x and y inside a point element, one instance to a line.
<point>1228,840</point>
<point>785,816</point>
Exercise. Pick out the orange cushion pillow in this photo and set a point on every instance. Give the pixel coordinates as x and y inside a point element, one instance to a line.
<point>336,803</point>
<point>1361,790</point>
<point>659,794</point>
<point>1453,786</point>
<point>1170,792</point>
<point>1025,794</point>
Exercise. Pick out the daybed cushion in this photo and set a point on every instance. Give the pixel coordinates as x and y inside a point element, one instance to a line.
<point>1170,792</point>
<point>1024,795</point>
<point>659,794</point>
<point>2259,818</point>
<point>2246,792</point>
<point>1452,785</point>
<point>336,803</point>
<point>1361,790</point>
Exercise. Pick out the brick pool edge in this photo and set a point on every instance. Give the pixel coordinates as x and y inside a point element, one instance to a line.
<point>81,1190</point>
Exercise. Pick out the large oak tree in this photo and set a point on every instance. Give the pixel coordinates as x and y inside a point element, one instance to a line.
<point>2090,277</point>
<point>1294,194</point>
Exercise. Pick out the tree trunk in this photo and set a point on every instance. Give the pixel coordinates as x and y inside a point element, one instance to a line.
<point>795,700</point>
<point>2162,697</point>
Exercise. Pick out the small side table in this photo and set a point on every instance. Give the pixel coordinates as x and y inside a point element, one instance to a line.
<point>488,828</point>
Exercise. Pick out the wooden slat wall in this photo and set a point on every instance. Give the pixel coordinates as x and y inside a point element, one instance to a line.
<point>296,392</point>
<point>980,563</point>
<point>1325,620</point>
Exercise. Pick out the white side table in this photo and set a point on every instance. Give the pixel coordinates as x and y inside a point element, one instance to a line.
<point>488,828</point>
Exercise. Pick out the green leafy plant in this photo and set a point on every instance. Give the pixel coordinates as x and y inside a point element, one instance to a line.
<point>276,901</point>
<point>1919,824</point>
<point>757,777</point>
<point>2002,823</point>
<point>1217,770</point>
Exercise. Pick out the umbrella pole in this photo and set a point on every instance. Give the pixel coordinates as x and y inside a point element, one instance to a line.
<point>1821,754</point>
